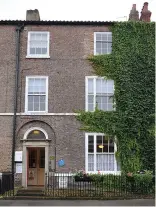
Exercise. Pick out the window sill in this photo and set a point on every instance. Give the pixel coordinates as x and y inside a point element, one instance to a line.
<point>36,113</point>
<point>37,57</point>
<point>105,172</point>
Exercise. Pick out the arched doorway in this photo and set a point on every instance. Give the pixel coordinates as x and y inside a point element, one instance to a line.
<point>35,157</point>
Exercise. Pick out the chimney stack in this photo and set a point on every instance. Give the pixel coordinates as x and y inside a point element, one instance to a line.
<point>32,15</point>
<point>134,14</point>
<point>145,13</point>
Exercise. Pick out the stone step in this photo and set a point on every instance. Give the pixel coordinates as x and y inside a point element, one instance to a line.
<point>29,192</point>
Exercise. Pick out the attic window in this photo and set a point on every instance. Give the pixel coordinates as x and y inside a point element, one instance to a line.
<point>38,45</point>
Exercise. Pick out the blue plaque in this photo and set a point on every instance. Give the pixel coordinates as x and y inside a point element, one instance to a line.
<point>61,163</point>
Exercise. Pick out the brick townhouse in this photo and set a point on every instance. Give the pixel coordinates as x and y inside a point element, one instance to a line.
<point>44,79</point>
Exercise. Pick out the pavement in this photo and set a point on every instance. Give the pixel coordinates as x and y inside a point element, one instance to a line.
<point>134,202</point>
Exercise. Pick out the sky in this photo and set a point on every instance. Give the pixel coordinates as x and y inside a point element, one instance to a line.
<point>74,10</point>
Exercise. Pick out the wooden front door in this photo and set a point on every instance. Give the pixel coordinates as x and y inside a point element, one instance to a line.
<point>36,166</point>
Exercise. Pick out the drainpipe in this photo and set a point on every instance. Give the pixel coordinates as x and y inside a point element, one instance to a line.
<point>18,30</point>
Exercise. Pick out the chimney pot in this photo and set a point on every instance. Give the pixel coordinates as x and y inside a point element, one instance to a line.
<point>134,7</point>
<point>145,13</point>
<point>134,14</point>
<point>32,15</point>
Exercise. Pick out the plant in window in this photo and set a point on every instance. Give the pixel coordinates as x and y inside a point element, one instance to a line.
<point>81,175</point>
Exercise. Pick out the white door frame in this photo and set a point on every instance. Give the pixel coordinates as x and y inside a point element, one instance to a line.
<point>26,145</point>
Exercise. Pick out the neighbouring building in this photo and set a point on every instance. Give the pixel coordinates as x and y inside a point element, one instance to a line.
<point>43,65</point>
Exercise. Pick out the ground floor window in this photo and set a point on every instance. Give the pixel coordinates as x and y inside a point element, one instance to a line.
<point>100,153</point>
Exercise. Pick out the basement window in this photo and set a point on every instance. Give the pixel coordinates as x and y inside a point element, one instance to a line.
<point>38,45</point>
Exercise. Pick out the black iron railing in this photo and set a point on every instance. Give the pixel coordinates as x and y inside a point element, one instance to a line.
<point>6,185</point>
<point>98,187</point>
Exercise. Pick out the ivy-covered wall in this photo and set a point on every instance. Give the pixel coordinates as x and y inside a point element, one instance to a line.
<point>132,67</point>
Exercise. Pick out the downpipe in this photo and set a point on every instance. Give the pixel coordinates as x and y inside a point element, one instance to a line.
<point>18,31</point>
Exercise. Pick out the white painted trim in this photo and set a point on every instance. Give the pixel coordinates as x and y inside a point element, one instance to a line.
<point>86,156</point>
<point>95,40</point>
<point>24,164</point>
<point>38,57</point>
<point>40,114</point>
<point>34,128</point>
<point>94,90</point>
<point>26,95</point>
<point>28,46</point>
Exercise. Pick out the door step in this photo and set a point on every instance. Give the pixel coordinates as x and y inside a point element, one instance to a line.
<point>28,197</point>
<point>30,192</point>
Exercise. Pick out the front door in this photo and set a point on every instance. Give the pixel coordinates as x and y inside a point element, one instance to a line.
<point>36,166</point>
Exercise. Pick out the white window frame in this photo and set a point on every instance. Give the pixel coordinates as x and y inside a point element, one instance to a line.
<point>95,41</point>
<point>26,96</point>
<point>38,55</point>
<point>86,91</point>
<point>86,156</point>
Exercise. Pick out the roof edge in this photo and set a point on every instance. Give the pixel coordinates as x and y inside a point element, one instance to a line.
<point>17,22</point>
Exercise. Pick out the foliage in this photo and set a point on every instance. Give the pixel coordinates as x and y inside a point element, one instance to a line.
<point>137,183</point>
<point>132,67</point>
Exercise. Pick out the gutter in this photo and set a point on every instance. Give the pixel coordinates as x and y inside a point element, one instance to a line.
<point>18,31</point>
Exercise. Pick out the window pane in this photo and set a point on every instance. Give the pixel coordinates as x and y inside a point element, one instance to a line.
<point>44,37</point>
<point>38,36</point>
<point>98,51</point>
<point>36,106</point>
<point>90,139</point>
<point>104,36</point>
<point>111,145</point>
<point>32,51</point>
<point>90,107</point>
<point>90,162</point>
<point>104,86</point>
<point>105,143</point>
<point>110,37</point>
<point>38,51</point>
<point>32,36</point>
<point>102,162</point>
<point>109,107</point>
<point>44,51</point>
<point>110,99</point>
<point>99,143</point>
<point>98,85</point>
<point>30,106</point>
<point>42,106</point>
<point>98,37</point>
<point>110,86</point>
<point>104,46</point>
<point>90,99</point>
<point>31,81</point>
<point>90,144</point>
<point>111,162</point>
<point>42,99</point>
<point>30,99</point>
<point>90,85</point>
<point>98,45</point>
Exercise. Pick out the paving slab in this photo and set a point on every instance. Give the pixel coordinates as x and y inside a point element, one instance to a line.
<point>134,202</point>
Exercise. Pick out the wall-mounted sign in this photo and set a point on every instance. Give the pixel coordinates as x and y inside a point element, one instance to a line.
<point>61,163</point>
<point>18,156</point>
<point>18,167</point>
<point>52,157</point>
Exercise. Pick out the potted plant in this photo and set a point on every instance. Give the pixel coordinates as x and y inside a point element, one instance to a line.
<point>81,176</point>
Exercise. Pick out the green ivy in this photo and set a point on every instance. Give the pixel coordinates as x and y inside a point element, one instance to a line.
<point>132,67</point>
